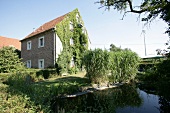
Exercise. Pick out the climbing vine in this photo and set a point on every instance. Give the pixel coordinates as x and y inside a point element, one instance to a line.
<point>74,38</point>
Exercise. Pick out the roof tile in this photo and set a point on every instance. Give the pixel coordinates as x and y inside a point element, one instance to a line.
<point>4,41</point>
<point>49,25</point>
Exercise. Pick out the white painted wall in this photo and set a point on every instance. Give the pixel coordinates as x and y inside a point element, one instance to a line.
<point>59,46</point>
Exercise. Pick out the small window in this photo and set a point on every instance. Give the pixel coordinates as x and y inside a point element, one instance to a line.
<point>71,26</point>
<point>77,17</point>
<point>72,62</point>
<point>41,63</point>
<point>71,41</point>
<point>84,31</point>
<point>84,45</point>
<point>28,63</point>
<point>29,45</point>
<point>41,42</point>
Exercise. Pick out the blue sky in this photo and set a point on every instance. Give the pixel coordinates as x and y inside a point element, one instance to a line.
<point>19,17</point>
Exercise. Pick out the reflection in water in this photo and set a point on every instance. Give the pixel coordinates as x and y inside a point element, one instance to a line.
<point>125,99</point>
<point>164,105</point>
<point>150,104</point>
<point>106,101</point>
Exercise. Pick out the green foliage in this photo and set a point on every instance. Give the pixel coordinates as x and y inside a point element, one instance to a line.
<point>13,101</point>
<point>63,61</point>
<point>80,42</point>
<point>9,60</point>
<point>163,71</point>
<point>97,65</point>
<point>47,73</point>
<point>124,65</point>
<point>151,8</point>
<point>114,48</point>
<point>120,66</point>
<point>106,101</point>
<point>73,70</point>
<point>158,72</point>
<point>25,92</point>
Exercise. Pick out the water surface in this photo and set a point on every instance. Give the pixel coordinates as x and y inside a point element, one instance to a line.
<point>125,99</point>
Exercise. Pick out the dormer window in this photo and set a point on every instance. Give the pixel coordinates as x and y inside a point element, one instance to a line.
<point>29,45</point>
<point>41,42</point>
<point>71,26</point>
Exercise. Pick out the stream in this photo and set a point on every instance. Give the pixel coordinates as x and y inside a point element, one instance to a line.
<point>124,99</point>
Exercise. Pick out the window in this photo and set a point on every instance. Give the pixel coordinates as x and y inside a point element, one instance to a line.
<point>71,26</point>
<point>84,31</point>
<point>71,41</point>
<point>72,62</point>
<point>29,45</point>
<point>77,17</point>
<point>41,42</point>
<point>41,63</point>
<point>28,64</point>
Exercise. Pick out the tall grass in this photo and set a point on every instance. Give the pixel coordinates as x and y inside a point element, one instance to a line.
<point>120,66</point>
<point>97,65</point>
<point>124,65</point>
<point>13,101</point>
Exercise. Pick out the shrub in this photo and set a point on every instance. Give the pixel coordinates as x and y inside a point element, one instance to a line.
<point>124,65</point>
<point>36,96</point>
<point>9,60</point>
<point>47,73</point>
<point>73,70</point>
<point>119,66</point>
<point>159,72</point>
<point>163,70</point>
<point>97,65</point>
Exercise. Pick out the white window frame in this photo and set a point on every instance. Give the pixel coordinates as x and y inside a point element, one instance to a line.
<point>39,42</point>
<point>28,63</point>
<point>29,45</point>
<point>71,41</point>
<point>41,66</point>
<point>77,17</point>
<point>72,63</point>
<point>84,31</point>
<point>71,26</point>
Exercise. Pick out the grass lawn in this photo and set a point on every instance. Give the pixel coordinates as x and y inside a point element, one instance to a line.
<point>78,78</point>
<point>19,96</point>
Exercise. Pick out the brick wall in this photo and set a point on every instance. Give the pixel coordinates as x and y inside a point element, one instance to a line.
<point>46,52</point>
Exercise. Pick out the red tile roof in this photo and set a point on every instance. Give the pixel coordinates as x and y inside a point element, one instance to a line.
<point>4,41</point>
<point>47,26</point>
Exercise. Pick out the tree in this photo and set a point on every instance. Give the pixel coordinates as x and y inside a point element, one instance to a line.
<point>9,60</point>
<point>151,8</point>
<point>114,48</point>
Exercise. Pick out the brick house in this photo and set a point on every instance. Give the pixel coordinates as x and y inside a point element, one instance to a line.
<point>5,41</point>
<point>42,47</point>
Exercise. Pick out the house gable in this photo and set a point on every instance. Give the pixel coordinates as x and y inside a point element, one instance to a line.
<point>45,27</point>
<point>75,42</point>
<point>56,42</point>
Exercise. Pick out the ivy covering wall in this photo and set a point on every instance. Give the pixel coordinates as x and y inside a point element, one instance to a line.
<point>74,38</point>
